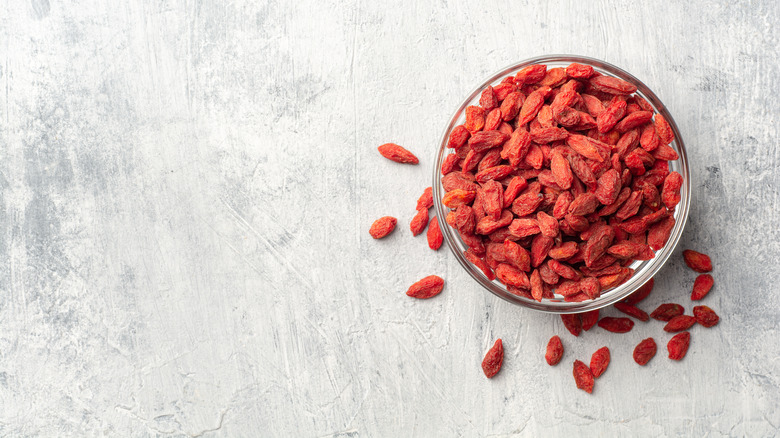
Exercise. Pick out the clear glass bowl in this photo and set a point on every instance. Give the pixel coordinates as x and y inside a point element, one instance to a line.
<point>644,270</point>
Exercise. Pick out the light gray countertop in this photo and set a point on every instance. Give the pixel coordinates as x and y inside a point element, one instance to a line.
<point>186,189</point>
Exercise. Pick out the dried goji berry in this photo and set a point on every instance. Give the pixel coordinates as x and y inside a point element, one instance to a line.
<point>396,153</point>
<point>705,316</point>
<point>517,255</point>
<point>591,287</point>
<point>561,170</point>
<point>564,251</point>
<point>579,71</point>
<point>540,245</point>
<point>616,325</point>
<point>564,271</point>
<point>419,222</point>
<point>608,187</point>
<point>633,120</point>
<point>589,319</point>
<point>547,224</point>
<point>671,190</point>
<point>531,74</point>
<point>702,286</point>
<point>480,263</point>
<point>426,199</point>
<point>663,129</point>
<point>510,275</point>
<point>475,118</point>
<point>658,234</point>
<point>632,310</point>
<point>531,106</point>
<point>458,137</point>
<point>599,361</point>
<point>493,360</point>
<point>428,287</point>
<point>611,85</point>
<point>511,105</point>
<point>645,351</point>
<point>572,323</point>
<point>456,198</point>
<point>536,285</point>
<point>554,351</point>
<point>697,261</point>
<point>583,376</point>
<point>667,311</point>
<point>680,323</point>
<point>611,116</point>
<point>678,345</point>
<point>488,99</point>
<point>434,235</point>
<point>382,227</point>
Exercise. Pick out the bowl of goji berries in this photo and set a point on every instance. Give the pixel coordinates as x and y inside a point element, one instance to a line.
<point>564,183</point>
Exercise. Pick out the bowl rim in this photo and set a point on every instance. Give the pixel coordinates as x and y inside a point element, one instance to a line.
<point>641,276</point>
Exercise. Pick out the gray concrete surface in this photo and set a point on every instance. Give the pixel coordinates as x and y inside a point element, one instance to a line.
<point>186,188</point>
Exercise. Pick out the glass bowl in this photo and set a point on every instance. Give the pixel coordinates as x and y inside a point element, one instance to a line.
<point>644,270</point>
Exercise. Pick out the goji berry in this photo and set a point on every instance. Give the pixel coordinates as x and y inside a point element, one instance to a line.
<point>419,221</point>
<point>644,351</point>
<point>678,345</point>
<point>434,235</point>
<point>633,311</point>
<point>589,319</point>
<point>680,323</point>
<point>493,360</point>
<point>428,287</point>
<point>396,153</point>
<point>616,325</point>
<point>554,351</point>
<point>583,376</point>
<point>572,323</point>
<point>671,190</point>
<point>599,361</point>
<point>426,199</point>
<point>667,311</point>
<point>697,261</point>
<point>705,316</point>
<point>702,286</point>
<point>382,227</point>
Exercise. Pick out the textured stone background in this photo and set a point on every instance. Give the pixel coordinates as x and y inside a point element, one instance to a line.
<point>186,188</point>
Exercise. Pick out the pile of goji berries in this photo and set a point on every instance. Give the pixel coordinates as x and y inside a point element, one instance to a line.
<point>558,180</point>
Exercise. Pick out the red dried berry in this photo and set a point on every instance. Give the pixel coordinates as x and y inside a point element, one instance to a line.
<point>428,287</point>
<point>396,153</point>
<point>599,361</point>
<point>479,263</point>
<point>493,360</point>
<point>589,319</point>
<point>705,316</point>
<point>680,323</point>
<point>633,311</point>
<point>678,345</point>
<point>382,227</point>
<point>702,286</point>
<point>572,323</point>
<point>645,351</point>
<point>434,235</point>
<point>671,191</point>
<point>665,312</point>
<point>616,325</point>
<point>697,261</point>
<point>419,222</point>
<point>554,351</point>
<point>583,376</point>
<point>426,199</point>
